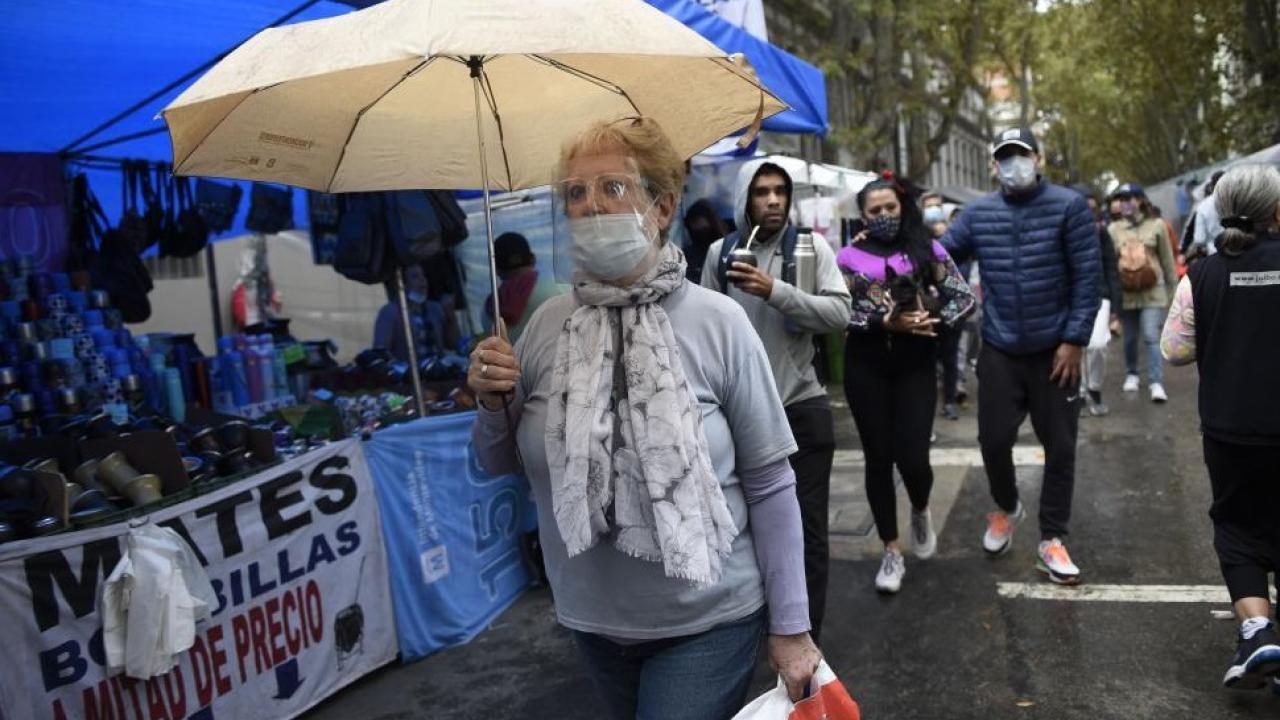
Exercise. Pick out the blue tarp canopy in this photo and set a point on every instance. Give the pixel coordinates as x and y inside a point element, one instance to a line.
<point>795,81</point>
<point>70,65</point>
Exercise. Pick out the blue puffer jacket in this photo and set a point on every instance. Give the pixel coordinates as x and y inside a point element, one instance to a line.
<point>1039,257</point>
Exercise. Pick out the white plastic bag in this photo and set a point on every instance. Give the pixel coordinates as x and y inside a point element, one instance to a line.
<point>828,700</point>
<point>1101,327</point>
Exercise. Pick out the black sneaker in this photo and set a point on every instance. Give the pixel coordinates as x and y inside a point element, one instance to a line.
<point>1256,662</point>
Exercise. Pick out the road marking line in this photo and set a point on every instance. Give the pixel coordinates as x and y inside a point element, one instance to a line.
<point>1116,593</point>
<point>1023,455</point>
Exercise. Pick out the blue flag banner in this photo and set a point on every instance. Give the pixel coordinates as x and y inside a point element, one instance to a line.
<point>452,532</point>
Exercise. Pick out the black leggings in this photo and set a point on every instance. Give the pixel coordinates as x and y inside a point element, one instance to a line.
<point>1246,505</point>
<point>892,391</point>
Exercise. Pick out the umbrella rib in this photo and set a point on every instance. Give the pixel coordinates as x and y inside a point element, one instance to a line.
<point>584,75</point>
<point>492,100</point>
<point>342,155</point>
<point>196,146</point>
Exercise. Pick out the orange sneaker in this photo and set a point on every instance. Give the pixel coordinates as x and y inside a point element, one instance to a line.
<point>1000,526</point>
<point>1056,563</point>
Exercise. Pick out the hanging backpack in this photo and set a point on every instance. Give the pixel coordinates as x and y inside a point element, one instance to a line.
<point>132,229</point>
<point>82,243</point>
<point>362,254</point>
<point>413,227</point>
<point>1136,271</point>
<point>270,209</point>
<point>453,222</point>
<point>218,204</point>
<point>114,265</point>
<point>152,205</point>
<point>192,231</point>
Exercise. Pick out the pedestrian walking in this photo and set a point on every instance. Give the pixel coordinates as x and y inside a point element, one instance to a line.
<point>787,318</point>
<point>703,227</point>
<point>1148,274</point>
<point>1223,319</point>
<point>1037,248</point>
<point>905,290</point>
<point>1200,236</point>
<point>1095,355</point>
<point>935,220</point>
<point>657,449</point>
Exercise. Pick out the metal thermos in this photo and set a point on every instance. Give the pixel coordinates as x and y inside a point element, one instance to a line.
<point>806,261</point>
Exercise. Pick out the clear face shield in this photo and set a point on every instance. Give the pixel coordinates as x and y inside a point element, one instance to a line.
<point>605,225</point>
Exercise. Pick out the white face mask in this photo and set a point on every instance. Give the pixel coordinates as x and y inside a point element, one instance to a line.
<point>1017,172</point>
<point>934,214</point>
<point>609,247</point>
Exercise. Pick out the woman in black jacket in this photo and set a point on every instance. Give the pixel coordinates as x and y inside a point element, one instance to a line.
<point>1223,319</point>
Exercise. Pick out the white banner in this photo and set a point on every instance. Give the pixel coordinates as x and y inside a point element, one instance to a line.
<point>296,559</point>
<point>746,14</point>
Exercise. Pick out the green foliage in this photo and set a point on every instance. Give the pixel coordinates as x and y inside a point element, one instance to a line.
<point>1138,89</point>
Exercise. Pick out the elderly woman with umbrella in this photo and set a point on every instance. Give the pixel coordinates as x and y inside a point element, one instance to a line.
<point>649,427</point>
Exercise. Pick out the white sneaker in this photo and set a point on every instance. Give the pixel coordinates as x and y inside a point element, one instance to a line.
<point>892,570</point>
<point>1000,527</point>
<point>924,541</point>
<point>1158,395</point>
<point>1131,383</point>
<point>1056,563</point>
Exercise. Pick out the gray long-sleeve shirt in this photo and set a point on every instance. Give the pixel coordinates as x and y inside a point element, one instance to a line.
<point>790,353</point>
<point>606,592</point>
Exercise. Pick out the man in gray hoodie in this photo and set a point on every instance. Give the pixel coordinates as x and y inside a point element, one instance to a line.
<point>787,320</point>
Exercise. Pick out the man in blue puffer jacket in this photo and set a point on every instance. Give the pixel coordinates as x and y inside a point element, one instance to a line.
<point>1038,252</point>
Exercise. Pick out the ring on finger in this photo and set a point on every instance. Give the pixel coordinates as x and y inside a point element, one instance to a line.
<point>484,370</point>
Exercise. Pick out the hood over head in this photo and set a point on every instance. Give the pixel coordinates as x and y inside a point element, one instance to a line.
<point>747,175</point>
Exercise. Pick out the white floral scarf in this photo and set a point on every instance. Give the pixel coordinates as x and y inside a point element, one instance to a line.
<point>625,444</point>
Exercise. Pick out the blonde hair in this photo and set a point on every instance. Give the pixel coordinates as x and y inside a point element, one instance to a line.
<point>641,139</point>
<point>1246,191</point>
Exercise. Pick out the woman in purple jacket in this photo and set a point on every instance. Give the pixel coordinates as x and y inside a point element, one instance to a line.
<point>904,286</point>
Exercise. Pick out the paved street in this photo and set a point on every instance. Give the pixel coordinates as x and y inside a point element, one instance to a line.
<point>968,637</point>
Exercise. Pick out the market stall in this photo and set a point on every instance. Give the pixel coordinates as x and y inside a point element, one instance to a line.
<point>252,446</point>
<point>299,572</point>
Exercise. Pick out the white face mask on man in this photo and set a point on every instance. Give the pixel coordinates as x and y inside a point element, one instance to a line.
<point>1017,172</point>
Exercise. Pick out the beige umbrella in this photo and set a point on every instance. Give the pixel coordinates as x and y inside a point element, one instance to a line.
<point>400,95</point>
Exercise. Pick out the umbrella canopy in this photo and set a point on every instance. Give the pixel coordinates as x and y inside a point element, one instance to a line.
<point>383,98</point>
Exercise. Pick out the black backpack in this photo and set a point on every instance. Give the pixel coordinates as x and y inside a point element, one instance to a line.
<point>453,222</point>
<point>362,254</point>
<point>270,209</point>
<point>218,204</point>
<point>413,226</point>
<point>110,257</point>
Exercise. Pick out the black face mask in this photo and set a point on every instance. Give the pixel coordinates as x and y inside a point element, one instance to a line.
<point>703,234</point>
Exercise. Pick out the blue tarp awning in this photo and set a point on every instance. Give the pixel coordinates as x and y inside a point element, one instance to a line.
<point>795,81</point>
<point>67,66</point>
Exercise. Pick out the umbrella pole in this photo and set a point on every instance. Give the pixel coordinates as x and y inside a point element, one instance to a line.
<point>411,345</point>
<point>477,67</point>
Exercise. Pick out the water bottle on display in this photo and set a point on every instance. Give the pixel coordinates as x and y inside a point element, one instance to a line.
<point>231,363</point>
<point>806,260</point>
<point>281,372</point>
<point>173,393</point>
<point>266,366</point>
<point>252,372</point>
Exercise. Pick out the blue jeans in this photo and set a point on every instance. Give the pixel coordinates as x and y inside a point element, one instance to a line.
<point>697,677</point>
<point>1144,325</point>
